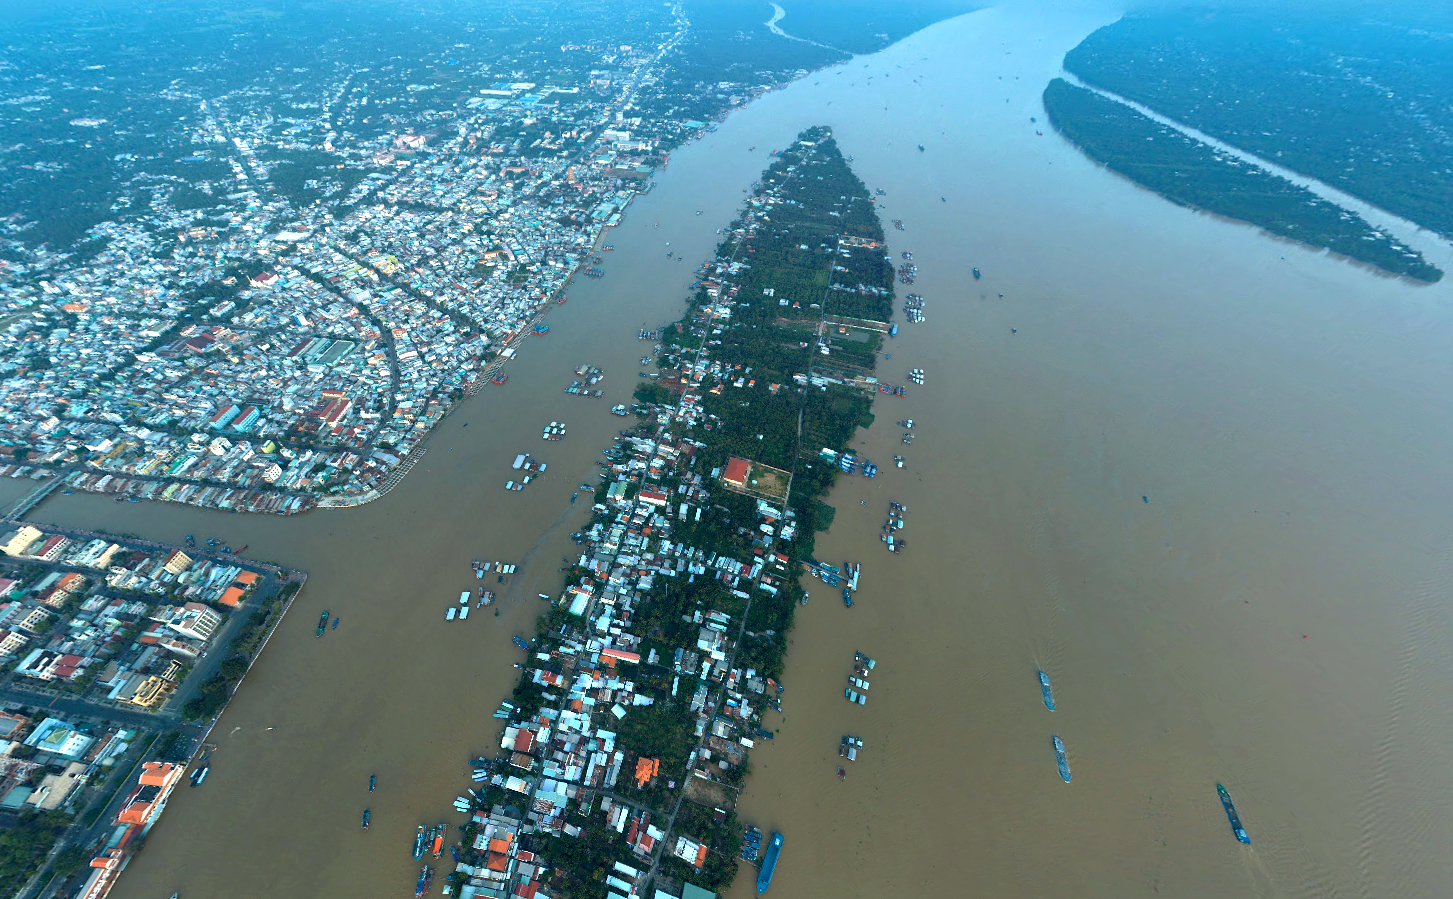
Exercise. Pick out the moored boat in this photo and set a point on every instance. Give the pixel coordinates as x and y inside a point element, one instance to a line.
<point>426,880</point>
<point>419,844</point>
<point>769,863</point>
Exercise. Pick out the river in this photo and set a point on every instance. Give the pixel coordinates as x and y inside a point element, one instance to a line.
<point>1195,474</point>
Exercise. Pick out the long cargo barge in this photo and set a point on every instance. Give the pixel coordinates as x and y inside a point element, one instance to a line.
<point>1045,690</point>
<point>1231,815</point>
<point>769,863</point>
<point>1061,759</point>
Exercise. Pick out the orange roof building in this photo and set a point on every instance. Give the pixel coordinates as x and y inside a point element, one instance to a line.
<point>646,769</point>
<point>736,472</point>
<point>156,782</point>
<point>237,591</point>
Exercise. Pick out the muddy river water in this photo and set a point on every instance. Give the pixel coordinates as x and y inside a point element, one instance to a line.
<point>1198,476</point>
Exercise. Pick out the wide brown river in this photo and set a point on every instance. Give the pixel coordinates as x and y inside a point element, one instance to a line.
<point>1198,476</point>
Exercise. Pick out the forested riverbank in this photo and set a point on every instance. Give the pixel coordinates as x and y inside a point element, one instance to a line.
<point>1194,174</point>
<point>1358,100</point>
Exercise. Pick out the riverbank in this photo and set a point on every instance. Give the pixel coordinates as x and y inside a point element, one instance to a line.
<point>1194,174</point>
<point>132,638</point>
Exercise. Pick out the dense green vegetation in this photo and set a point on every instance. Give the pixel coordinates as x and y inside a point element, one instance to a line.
<point>787,242</point>
<point>1191,173</point>
<point>1360,98</point>
<point>809,198</point>
<point>24,844</point>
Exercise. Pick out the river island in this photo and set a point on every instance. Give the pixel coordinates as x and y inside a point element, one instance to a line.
<point>645,686</point>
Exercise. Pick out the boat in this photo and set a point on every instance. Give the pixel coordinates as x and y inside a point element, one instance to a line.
<point>977,276</point>
<point>1044,688</point>
<point>372,782</point>
<point>419,843</point>
<point>752,844</point>
<point>449,613</point>
<point>335,622</point>
<point>769,862</point>
<point>438,847</point>
<point>322,623</point>
<point>191,541</point>
<point>499,378</point>
<point>521,643</point>
<point>365,819</point>
<point>1059,754</point>
<point>574,496</point>
<point>200,775</point>
<point>1235,819</point>
<point>847,597</point>
<point>893,330</point>
<point>920,148</point>
<point>540,329</point>
<point>426,880</point>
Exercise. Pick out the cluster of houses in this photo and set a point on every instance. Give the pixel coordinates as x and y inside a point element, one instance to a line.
<point>45,761</point>
<point>359,321</point>
<point>120,623</point>
<point>565,758</point>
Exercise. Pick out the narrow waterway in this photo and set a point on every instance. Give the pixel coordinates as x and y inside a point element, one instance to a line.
<point>1193,473</point>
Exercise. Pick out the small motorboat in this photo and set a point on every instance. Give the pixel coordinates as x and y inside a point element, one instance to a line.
<point>842,773</point>
<point>335,622</point>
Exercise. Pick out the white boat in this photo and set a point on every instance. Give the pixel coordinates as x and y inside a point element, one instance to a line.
<point>464,613</point>
<point>449,614</point>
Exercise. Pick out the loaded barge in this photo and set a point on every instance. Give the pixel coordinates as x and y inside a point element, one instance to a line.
<point>1231,815</point>
<point>1045,690</point>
